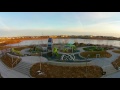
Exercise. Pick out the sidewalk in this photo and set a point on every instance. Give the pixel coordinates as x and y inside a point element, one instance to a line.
<point>114,75</point>
<point>9,73</point>
<point>106,65</point>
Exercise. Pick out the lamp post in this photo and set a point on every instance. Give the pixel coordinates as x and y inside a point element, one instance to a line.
<point>86,65</point>
<point>39,71</point>
<point>40,64</point>
<point>72,49</point>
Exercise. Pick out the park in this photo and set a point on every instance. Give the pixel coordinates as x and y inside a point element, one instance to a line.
<point>60,60</point>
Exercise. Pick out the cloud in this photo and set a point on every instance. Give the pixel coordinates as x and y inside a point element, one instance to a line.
<point>70,23</point>
<point>106,28</point>
<point>4,26</point>
<point>100,15</point>
<point>87,18</point>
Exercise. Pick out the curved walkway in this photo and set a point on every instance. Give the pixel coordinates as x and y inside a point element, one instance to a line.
<point>105,63</point>
<point>114,75</point>
<point>9,73</point>
<point>33,59</point>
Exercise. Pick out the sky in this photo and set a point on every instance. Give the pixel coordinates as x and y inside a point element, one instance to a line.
<point>59,23</point>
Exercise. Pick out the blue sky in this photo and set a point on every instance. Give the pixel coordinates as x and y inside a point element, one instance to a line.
<point>59,23</point>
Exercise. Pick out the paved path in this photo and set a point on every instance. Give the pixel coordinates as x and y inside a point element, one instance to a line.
<point>33,59</point>
<point>114,75</point>
<point>25,51</point>
<point>9,73</point>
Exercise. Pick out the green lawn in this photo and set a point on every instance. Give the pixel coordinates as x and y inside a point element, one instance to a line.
<point>94,49</point>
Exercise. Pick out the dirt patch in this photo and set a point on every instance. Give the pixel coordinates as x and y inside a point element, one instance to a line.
<point>4,47</point>
<point>116,51</point>
<point>7,60</point>
<point>116,63</point>
<point>54,71</point>
<point>92,54</point>
<point>9,42</point>
<point>21,48</point>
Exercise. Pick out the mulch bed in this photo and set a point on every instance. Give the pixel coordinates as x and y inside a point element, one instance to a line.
<point>116,63</point>
<point>21,48</point>
<point>8,61</point>
<point>54,71</point>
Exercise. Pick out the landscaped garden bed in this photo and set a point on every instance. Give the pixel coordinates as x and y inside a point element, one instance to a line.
<point>116,51</point>
<point>97,48</point>
<point>22,47</point>
<point>116,63</point>
<point>94,49</point>
<point>7,60</point>
<point>54,71</point>
<point>93,54</point>
<point>4,47</point>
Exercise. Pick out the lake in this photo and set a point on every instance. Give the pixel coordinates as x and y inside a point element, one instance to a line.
<point>90,41</point>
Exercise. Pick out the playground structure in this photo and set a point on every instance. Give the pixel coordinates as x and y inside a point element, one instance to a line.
<point>36,49</point>
<point>68,57</point>
<point>50,47</point>
<point>16,52</point>
<point>67,52</point>
<point>69,48</point>
<point>55,52</point>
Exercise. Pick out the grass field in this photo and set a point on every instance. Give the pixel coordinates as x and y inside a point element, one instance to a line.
<point>54,71</point>
<point>94,49</point>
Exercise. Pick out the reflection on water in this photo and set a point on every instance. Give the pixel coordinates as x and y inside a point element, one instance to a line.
<point>90,41</point>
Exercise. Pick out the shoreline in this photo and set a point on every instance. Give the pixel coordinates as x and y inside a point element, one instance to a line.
<point>15,41</point>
